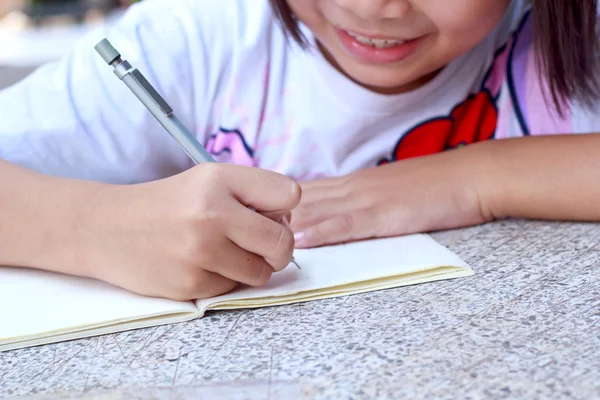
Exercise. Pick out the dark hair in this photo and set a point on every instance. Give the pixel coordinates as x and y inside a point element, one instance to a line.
<point>566,45</point>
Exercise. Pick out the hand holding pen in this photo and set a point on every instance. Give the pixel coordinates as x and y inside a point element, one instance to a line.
<point>194,234</point>
<point>144,91</point>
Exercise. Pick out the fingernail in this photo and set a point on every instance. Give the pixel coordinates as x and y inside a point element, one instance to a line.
<point>299,238</point>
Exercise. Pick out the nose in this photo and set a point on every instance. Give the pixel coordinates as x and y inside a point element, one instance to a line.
<point>376,9</point>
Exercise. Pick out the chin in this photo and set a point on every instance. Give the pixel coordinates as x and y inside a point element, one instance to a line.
<point>382,80</point>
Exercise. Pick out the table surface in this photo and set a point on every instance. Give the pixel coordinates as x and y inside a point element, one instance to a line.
<point>527,325</point>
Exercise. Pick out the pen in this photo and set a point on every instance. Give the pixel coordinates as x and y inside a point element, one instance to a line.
<point>154,102</point>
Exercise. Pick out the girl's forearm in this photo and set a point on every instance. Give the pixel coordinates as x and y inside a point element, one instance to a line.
<point>547,177</point>
<point>39,216</point>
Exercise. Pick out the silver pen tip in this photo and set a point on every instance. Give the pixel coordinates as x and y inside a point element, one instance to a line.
<point>295,263</point>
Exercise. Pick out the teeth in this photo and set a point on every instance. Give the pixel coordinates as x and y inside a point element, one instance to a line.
<point>378,43</point>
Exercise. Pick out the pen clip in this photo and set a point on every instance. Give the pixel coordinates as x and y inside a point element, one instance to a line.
<point>124,68</point>
<point>151,91</point>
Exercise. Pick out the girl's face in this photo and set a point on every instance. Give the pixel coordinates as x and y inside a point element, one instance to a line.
<point>392,46</point>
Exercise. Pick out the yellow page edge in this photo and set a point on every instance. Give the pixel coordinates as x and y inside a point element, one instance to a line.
<point>430,275</point>
<point>86,331</point>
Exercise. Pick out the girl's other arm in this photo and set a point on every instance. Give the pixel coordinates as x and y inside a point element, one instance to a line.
<point>547,177</point>
<point>542,177</point>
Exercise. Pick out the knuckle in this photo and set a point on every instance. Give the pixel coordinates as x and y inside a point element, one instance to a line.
<point>212,172</point>
<point>354,184</point>
<point>207,208</point>
<point>207,214</point>
<point>199,211</point>
<point>214,176</point>
<point>305,210</point>
<point>346,222</point>
<point>203,208</point>
<point>197,249</point>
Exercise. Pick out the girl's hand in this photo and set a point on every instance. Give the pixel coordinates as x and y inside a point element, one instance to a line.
<point>189,236</point>
<point>412,196</point>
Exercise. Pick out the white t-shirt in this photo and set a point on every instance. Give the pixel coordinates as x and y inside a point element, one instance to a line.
<point>253,98</point>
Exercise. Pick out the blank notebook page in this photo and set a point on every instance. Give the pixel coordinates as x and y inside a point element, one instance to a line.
<point>357,266</point>
<point>34,302</point>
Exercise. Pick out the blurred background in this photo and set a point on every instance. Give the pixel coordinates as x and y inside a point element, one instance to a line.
<point>34,32</point>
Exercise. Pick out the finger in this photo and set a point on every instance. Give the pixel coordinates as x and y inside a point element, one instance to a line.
<point>239,265</point>
<point>323,189</point>
<point>342,228</point>
<point>271,240</point>
<point>276,216</point>
<point>285,221</point>
<point>311,213</point>
<point>321,183</point>
<point>263,190</point>
<point>212,285</point>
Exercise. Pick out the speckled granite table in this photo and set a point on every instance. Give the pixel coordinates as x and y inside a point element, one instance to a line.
<point>527,325</point>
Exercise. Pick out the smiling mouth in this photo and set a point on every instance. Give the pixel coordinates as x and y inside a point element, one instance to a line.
<point>378,49</point>
<point>375,42</point>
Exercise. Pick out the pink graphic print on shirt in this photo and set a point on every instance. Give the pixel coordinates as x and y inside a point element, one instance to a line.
<point>229,146</point>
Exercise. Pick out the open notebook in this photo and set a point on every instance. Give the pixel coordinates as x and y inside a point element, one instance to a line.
<point>40,307</point>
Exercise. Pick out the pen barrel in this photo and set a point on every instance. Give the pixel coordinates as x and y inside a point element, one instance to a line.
<point>169,121</point>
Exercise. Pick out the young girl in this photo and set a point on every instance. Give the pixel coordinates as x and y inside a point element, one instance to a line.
<point>354,99</point>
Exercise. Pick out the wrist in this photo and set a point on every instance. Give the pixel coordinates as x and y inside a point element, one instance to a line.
<point>489,184</point>
<point>56,235</point>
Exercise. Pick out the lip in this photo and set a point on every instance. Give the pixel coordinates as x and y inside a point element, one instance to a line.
<point>369,35</point>
<point>371,54</point>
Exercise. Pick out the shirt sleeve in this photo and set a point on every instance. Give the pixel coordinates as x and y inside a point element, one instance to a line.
<point>76,119</point>
<point>524,103</point>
